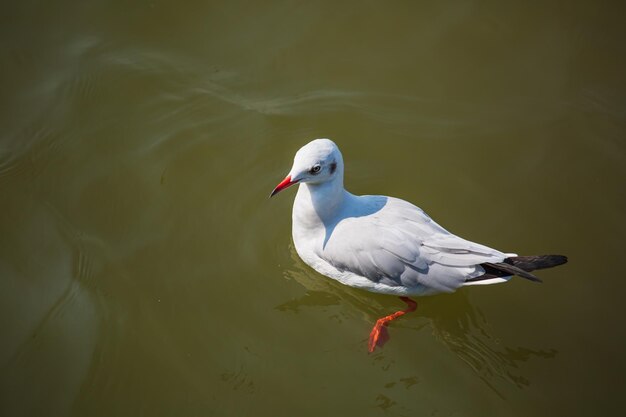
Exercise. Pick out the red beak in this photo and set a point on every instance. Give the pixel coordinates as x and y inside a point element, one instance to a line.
<point>283,184</point>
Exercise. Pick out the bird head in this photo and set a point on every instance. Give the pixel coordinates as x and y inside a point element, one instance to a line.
<point>317,162</point>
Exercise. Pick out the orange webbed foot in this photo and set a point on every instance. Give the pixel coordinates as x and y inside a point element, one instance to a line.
<point>379,334</point>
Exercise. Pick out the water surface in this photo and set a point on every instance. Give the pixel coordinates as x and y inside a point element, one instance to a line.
<point>143,271</point>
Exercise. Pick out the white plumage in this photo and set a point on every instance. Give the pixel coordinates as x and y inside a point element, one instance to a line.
<point>377,243</point>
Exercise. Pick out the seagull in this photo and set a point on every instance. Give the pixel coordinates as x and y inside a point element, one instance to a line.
<point>384,244</point>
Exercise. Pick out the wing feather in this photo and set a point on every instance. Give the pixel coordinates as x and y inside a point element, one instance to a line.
<point>400,245</point>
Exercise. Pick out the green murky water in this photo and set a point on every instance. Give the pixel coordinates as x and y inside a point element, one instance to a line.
<point>144,272</point>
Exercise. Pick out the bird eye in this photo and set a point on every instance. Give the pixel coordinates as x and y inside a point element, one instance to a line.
<point>316,169</point>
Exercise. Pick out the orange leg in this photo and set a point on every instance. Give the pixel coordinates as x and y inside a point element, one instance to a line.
<point>378,335</point>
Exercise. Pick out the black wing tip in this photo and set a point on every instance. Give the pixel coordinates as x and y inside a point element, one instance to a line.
<point>522,266</point>
<point>501,269</point>
<point>530,263</point>
<point>559,259</point>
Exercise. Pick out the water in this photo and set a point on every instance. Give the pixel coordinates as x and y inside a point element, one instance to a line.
<point>145,272</point>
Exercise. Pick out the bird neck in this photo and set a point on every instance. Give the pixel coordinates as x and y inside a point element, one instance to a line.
<point>320,202</point>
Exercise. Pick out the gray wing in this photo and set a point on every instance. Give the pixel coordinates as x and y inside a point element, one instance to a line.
<point>400,245</point>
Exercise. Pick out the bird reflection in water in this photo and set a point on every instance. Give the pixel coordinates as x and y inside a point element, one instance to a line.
<point>453,320</point>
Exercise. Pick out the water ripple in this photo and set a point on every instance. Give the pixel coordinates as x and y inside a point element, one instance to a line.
<point>453,319</point>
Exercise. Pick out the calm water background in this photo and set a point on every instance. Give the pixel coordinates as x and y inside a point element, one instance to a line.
<point>143,271</point>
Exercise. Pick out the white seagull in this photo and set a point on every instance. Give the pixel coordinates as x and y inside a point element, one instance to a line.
<point>384,244</point>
